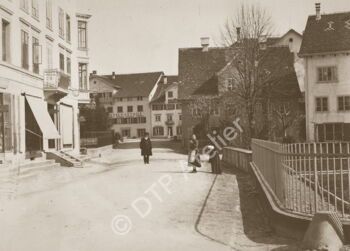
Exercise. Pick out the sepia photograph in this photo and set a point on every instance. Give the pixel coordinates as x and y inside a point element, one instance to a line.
<point>167,125</point>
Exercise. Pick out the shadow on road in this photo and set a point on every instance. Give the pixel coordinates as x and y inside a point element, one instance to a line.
<point>255,221</point>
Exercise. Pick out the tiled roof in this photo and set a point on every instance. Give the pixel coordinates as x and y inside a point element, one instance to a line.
<point>197,66</point>
<point>209,87</point>
<point>278,61</point>
<point>135,84</point>
<point>329,34</point>
<point>159,95</point>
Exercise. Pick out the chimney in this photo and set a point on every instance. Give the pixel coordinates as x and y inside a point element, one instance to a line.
<point>318,11</point>
<point>238,31</point>
<point>205,43</point>
<point>165,80</point>
<point>113,75</point>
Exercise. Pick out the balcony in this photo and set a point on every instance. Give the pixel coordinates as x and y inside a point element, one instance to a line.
<point>169,122</point>
<point>56,84</point>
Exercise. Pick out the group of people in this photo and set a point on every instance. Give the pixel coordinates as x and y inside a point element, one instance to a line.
<point>193,154</point>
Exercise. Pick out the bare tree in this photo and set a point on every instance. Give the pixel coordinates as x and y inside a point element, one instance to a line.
<point>255,67</point>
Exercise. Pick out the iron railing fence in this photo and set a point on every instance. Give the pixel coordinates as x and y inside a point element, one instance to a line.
<point>306,177</point>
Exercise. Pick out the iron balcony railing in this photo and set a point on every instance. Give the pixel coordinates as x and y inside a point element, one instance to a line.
<point>54,78</point>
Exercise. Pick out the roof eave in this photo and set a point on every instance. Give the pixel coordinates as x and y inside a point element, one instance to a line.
<point>303,55</point>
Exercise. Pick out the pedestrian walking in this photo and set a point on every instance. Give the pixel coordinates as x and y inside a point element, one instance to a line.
<point>214,159</point>
<point>193,156</point>
<point>146,148</point>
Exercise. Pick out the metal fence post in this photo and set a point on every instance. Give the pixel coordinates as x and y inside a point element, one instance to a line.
<point>316,178</point>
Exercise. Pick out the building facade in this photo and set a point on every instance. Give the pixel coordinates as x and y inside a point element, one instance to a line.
<point>43,75</point>
<point>166,116</point>
<point>131,95</point>
<point>207,73</point>
<point>326,52</point>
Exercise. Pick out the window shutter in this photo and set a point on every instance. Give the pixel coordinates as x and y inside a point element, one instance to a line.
<point>7,122</point>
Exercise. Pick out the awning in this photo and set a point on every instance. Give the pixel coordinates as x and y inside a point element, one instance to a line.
<point>39,109</point>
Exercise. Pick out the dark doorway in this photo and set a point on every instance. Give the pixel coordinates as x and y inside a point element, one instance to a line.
<point>52,112</point>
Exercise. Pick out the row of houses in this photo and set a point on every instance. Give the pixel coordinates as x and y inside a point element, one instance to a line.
<point>139,103</point>
<point>308,99</point>
<point>44,69</point>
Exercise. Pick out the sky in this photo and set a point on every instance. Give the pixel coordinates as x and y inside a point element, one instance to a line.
<point>131,36</point>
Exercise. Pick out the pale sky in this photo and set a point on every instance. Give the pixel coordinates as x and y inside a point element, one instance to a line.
<point>129,36</point>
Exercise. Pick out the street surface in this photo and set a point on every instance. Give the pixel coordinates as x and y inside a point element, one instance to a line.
<point>70,209</point>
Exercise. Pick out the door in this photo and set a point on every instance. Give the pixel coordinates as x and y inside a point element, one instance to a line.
<point>126,132</point>
<point>170,131</point>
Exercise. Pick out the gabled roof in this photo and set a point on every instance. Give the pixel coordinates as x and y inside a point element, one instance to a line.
<point>197,67</point>
<point>135,84</point>
<point>329,34</point>
<point>159,95</point>
<point>278,61</point>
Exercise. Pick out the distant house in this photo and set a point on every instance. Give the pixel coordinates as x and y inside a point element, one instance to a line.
<point>326,51</point>
<point>208,72</point>
<point>127,98</point>
<point>166,116</point>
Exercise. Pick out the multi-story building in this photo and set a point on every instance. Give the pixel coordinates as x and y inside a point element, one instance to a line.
<point>326,52</point>
<point>208,72</point>
<point>43,75</point>
<point>131,95</point>
<point>166,109</point>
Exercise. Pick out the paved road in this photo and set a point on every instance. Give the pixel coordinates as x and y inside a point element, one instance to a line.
<point>167,208</point>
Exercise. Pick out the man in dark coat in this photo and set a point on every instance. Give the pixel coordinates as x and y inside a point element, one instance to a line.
<point>146,148</point>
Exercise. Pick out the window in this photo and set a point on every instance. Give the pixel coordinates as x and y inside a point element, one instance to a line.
<point>110,109</point>
<point>178,106</point>
<point>158,117</point>
<point>49,55</point>
<point>36,55</point>
<point>49,14</point>
<point>119,109</point>
<point>69,65</point>
<point>24,5</point>
<point>158,131</point>
<point>25,50</point>
<point>344,103</point>
<point>120,99</point>
<point>157,107</point>
<point>229,84</point>
<point>5,42</point>
<point>82,35</point>
<point>129,99</point>
<point>169,117</point>
<point>178,130</point>
<point>61,22</point>
<point>83,76</point>
<point>170,107</point>
<point>333,132</point>
<point>140,108</point>
<point>68,37</point>
<point>321,104</point>
<point>139,98</point>
<point>35,9</point>
<point>170,94</point>
<point>141,132</point>
<point>327,74</point>
<point>130,108</point>
<point>180,116</point>
<point>62,62</point>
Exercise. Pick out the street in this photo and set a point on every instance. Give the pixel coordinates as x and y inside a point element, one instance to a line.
<point>168,208</point>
